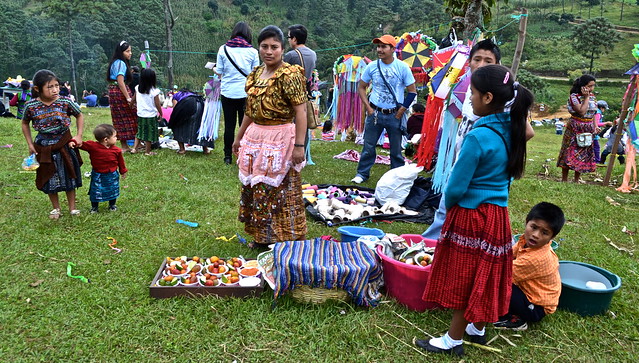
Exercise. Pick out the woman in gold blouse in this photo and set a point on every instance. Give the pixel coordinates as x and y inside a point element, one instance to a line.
<point>270,147</point>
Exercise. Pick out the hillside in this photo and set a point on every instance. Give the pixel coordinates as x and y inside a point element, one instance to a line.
<point>336,27</point>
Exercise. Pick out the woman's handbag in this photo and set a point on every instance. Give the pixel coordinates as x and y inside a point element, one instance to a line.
<point>312,109</point>
<point>312,115</point>
<point>584,139</point>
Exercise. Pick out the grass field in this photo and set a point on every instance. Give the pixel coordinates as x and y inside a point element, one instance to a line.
<point>114,319</point>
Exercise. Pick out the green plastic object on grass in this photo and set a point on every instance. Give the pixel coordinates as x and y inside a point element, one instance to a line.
<point>70,266</point>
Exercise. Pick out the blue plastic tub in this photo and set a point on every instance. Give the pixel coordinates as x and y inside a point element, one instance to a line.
<point>577,297</point>
<point>352,233</point>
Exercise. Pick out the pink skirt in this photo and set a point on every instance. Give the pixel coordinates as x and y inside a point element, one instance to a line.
<point>265,154</point>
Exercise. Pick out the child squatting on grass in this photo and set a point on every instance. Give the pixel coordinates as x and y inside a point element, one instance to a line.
<point>50,115</point>
<point>536,281</point>
<point>106,159</point>
<point>472,266</point>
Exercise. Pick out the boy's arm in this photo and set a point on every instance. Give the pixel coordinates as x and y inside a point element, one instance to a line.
<point>121,165</point>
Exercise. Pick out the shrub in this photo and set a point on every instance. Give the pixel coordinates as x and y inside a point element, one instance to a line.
<point>244,9</point>
<point>212,4</point>
<point>535,84</point>
<point>568,17</point>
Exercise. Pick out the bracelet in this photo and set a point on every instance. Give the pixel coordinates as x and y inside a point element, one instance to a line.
<point>298,145</point>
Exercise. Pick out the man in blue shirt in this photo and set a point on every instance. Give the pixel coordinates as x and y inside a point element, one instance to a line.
<point>386,106</point>
<point>90,97</point>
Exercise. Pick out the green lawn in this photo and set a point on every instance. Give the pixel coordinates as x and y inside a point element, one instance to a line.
<point>114,319</point>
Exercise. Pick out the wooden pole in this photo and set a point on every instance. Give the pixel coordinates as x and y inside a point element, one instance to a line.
<point>620,126</point>
<point>523,20</point>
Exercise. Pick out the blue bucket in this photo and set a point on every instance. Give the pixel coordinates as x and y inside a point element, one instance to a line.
<point>577,297</point>
<point>352,233</point>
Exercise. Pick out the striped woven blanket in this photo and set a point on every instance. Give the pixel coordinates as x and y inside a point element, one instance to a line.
<point>350,266</point>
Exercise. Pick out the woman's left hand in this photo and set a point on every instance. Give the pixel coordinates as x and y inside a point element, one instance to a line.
<point>298,155</point>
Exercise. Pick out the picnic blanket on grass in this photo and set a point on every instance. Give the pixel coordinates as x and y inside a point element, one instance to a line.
<point>350,266</point>
<point>426,210</point>
<point>353,155</point>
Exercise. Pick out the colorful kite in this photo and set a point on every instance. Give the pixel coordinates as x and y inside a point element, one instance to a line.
<point>416,49</point>
<point>346,107</point>
<point>212,110</point>
<point>449,65</point>
<point>145,59</point>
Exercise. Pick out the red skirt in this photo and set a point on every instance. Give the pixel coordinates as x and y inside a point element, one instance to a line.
<point>124,118</point>
<point>472,266</point>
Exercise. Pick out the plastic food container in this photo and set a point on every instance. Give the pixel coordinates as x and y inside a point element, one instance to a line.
<point>406,283</point>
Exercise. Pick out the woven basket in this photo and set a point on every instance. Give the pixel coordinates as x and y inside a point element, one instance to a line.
<point>318,295</point>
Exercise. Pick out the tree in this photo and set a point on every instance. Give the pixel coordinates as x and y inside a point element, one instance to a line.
<point>67,12</point>
<point>594,37</point>
<point>476,13</point>
<point>169,22</point>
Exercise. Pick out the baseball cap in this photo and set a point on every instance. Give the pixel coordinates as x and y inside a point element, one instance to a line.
<point>386,39</point>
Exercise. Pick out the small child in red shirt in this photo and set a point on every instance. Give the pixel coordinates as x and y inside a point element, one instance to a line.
<point>106,159</point>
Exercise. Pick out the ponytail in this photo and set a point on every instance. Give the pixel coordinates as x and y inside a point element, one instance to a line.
<point>518,118</point>
<point>497,80</point>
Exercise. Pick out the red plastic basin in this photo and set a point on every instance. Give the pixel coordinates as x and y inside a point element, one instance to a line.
<point>406,283</point>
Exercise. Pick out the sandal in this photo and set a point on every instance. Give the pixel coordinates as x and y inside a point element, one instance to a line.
<point>75,212</point>
<point>132,151</point>
<point>150,153</point>
<point>55,214</point>
<point>181,152</point>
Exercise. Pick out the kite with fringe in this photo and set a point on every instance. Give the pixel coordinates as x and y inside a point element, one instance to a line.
<point>443,107</point>
<point>346,107</point>
<point>212,110</point>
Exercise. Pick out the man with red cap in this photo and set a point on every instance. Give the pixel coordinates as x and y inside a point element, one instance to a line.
<point>385,106</point>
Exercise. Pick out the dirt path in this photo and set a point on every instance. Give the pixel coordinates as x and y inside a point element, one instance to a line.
<point>561,113</point>
<point>620,28</point>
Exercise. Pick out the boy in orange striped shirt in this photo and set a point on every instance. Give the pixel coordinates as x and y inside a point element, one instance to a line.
<point>536,280</point>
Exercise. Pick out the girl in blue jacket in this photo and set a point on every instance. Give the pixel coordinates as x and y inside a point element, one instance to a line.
<point>472,266</point>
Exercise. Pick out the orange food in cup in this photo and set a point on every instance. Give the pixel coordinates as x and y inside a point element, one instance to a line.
<point>249,271</point>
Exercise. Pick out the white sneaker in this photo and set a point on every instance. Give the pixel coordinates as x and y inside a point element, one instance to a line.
<point>357,180</point>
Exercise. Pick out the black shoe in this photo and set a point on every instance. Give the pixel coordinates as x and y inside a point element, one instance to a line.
<point>425,344</point>
<point>477,339</point>
<point>94,210</point>
<point>514,323</point>
<point>113,208</point>
<point>228,160</point>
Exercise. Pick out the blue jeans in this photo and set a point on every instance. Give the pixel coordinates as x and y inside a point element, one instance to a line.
<point>373,128</point>
<point>435,229</point>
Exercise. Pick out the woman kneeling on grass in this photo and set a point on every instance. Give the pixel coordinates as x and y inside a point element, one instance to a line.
<point>270,147</point>
<point>472,266</point>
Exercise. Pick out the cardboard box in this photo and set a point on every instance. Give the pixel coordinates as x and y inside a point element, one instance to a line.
<point>161,292</point>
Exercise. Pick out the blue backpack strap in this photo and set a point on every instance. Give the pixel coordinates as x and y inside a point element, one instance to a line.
<point>503,139</point>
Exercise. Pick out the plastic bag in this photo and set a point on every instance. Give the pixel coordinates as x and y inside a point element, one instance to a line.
<point>30,163</point>
<point>396,183</point>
